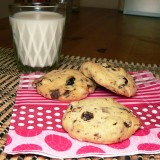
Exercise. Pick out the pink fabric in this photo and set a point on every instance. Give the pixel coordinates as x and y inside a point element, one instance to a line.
<point>36,122</point>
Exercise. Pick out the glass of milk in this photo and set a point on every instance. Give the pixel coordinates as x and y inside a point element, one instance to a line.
<point>37,35</point>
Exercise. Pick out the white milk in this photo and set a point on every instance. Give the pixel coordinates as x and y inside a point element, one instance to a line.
<point>37,36</point>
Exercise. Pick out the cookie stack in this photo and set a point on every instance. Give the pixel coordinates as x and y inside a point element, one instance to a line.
<point>96,120</point>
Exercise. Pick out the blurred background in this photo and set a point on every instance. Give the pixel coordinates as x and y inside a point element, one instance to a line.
<point>111,4</point>
<point>133,7</point>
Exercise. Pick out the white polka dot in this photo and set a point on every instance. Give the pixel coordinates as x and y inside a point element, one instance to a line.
<point>11,127</point>
<point>40,119</point>
<point>30,127</point>
<point>49,122</point>
<point>64,111</point>
<point>21,118</point>
<point>14,109</point>
<point>40,125</point>
<point>148,115</point>
<point>143,118</point>
<point>31,116</point>
<point>50,128</point>
<point>57,120</point>
<point>57,114</point>
<point>135,108</point>
<point>22,112</point>
<point>23,107</point>
<point>31,110</point>
<point>147,123</point>
<point>144,109</point>
<point>153,120</point>
<point>150,106</point>
<point>157,125</point>
<point>158,117</point>
<point>139,113</point>
<point>49,117</point>
<point>56,108</point>
<point>40,113</point>
<point>158,107</point>
<point>31,121</point>
<point>13,121</point>
<point>40,108</point>
<point>154,111</point>
<point>14,115</point>
<point>58,126</point>
<point>48,111</point>
<point>20,124</point>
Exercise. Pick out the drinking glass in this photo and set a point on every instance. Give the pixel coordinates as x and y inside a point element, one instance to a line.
<point>37,30</point>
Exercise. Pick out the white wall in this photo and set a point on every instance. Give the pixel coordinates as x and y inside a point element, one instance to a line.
<point>4,7</point>
<point>112,4</point>
<point>142,7</point>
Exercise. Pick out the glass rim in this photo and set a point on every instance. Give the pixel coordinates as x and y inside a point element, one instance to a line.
<point>32,5</point>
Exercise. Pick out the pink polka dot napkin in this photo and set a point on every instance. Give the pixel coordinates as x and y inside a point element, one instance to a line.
<point>36,122</point>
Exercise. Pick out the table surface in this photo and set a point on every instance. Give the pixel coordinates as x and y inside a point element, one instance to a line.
<point>9,80</point>
<point>106,33</point>
<point>104,38</point>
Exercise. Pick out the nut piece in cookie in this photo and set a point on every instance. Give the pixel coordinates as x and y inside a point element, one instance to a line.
<point>99,120</point>
<point>113,78</point>
<point>64,85</point>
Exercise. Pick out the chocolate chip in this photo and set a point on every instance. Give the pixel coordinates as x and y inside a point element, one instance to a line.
<point>71,107</point>
<point>74,121</point>
<point>66,93</point>
<point>87,116</point>
<point>78,131</point>
<point>115,123</point>
<point>79,109</point>
<point>55,94</point>
<point>124,84</point>
<point>97,135</point>
<point>70,81</point>
<point>127,124</point>
<point>114,69</point>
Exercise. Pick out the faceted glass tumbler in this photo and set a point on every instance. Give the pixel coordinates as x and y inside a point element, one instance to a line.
<point>37,35</point>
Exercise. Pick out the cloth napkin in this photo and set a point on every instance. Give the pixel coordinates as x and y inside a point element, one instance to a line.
<point>36,122</point>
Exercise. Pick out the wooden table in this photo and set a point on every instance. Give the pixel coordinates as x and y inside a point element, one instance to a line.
<point>95,32</point>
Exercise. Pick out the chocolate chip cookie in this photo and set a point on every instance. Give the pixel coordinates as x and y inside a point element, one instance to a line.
<point>64,85</point>
<point>113,78</point>
<point>99,120</point>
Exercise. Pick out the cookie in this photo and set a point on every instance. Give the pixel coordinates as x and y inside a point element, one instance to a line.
<point>99,120</point>
<point>113,78</point>
<point>64,85</point>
